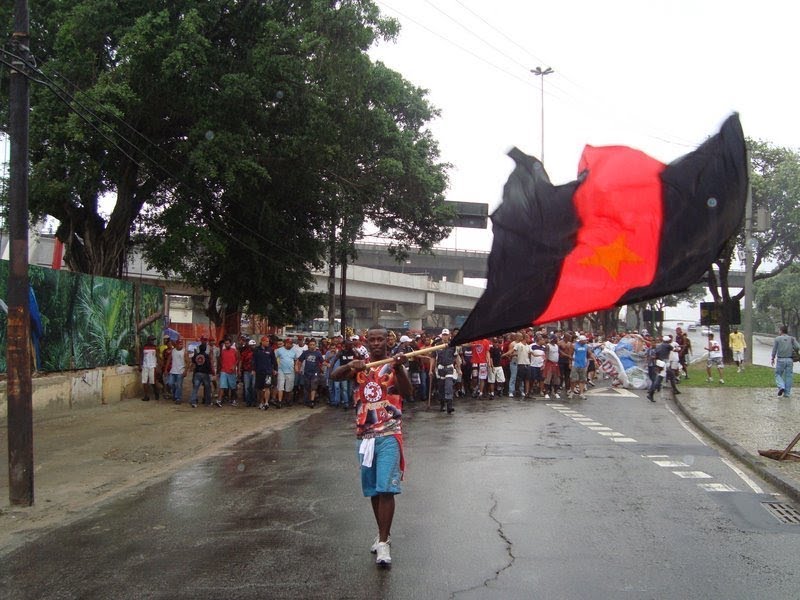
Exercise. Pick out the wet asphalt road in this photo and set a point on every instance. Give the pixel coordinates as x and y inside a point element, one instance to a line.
<point>506,499</point>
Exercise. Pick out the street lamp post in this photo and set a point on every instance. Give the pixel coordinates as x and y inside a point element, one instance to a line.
<point>539,72</point>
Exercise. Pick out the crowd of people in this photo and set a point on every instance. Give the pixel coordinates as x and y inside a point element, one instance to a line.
<point>274,372</point>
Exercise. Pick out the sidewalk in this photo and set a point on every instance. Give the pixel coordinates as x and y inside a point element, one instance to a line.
<point>744,421</point>
<point>85,456</point>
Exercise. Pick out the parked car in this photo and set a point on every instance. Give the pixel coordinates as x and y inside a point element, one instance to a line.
<point>692,327</point>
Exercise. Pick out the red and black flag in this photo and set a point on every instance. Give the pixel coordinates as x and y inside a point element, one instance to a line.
<point>627,230</point>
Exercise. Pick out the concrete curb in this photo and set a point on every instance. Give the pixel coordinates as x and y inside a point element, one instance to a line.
<point>755,462</point>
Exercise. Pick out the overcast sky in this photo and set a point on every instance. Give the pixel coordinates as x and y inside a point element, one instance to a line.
<point>657,75</point>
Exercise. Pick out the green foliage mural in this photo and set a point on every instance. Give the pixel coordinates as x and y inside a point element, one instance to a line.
<point>86,321</point>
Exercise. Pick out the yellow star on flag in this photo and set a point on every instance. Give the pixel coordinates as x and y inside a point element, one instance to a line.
<point>611,256</point>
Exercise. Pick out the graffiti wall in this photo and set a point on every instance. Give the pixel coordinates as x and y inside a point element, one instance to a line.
<point>81,322</point>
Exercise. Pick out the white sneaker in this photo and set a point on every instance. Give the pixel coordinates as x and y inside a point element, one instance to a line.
<point>722,381</point>
<point>710,380</point>
<point>374,547</point>
<point>383,558</point>
<point>547,396</point>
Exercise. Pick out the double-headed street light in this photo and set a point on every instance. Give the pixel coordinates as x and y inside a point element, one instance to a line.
<point>538,71</point>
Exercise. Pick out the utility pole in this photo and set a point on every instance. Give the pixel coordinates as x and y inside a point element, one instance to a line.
<point>539,72</point>
<point>749,244</point>
<point>18,358</point>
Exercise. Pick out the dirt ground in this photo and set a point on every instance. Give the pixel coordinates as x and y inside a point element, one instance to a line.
<point>85,456</point>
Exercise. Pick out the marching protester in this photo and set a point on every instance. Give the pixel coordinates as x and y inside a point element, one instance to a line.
<point>228,373</point>
<point>497,376</point>
<point>149,363</point>
<point>310,365</point>
<point>552,372</point>
<point>265,367</point>
<point>443,371</point>
<point>201,363</point>
<point>379,412</point>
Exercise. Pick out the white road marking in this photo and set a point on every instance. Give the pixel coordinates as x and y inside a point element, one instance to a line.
<point>623,439</point>
<point>601,428</point>
<point>670,463</point>
<point>717,487</point>
<point>616,392</point>
<point>685,425</point>
<point>752,484</point>
<point>656,455</point>
<point>692,475</point>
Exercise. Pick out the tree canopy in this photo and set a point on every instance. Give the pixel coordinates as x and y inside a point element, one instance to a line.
<point>236,137</point>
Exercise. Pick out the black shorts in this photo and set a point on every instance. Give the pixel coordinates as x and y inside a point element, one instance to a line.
<point>263,380</point>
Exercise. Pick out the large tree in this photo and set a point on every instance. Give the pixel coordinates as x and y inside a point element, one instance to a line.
<point>775,184</point>
<point>777,301</point>
<point>235,137</point>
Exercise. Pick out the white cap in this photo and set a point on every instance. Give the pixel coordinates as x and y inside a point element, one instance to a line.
<point>354,338</point>
<point>582,338</point>
<point>667,338</point>
<point>644,332</point>
<point>250,343</point>
<point>404,339</point>
<point>445,332</point>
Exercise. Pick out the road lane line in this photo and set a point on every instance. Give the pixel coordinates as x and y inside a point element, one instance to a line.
<point>692,475</point>
<point>752,484</point>
<point>686,426</point>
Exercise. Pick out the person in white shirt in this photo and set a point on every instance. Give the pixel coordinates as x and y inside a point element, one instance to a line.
<point>714,350</point>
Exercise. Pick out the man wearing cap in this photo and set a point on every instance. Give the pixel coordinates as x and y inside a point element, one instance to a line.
<point>379,404</point>
<point>359,348</point>
<point>443,368</point>
<point>660,356</point>
<point>265,366</point>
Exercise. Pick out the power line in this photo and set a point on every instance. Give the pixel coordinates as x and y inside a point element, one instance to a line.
<point>452,43</point>
<point>579,100</point>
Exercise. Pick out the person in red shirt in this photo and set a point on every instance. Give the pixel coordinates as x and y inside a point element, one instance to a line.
<point>228,373</point>
<point>480,363</point>
<point>248,373</point>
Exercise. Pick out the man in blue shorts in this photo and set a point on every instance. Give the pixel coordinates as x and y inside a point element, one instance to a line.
<point>379,412</point>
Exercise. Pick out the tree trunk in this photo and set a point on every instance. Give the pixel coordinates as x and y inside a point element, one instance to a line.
<point>332,283</point>
<point>343,297</point>
<point>97,247</point>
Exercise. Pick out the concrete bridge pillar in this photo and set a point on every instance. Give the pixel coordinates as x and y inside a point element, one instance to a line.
<point>415,313</point>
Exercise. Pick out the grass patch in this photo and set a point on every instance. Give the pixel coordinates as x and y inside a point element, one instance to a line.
<point>753,376</point>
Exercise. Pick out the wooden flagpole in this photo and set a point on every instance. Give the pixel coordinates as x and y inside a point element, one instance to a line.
<point>385,361</point>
